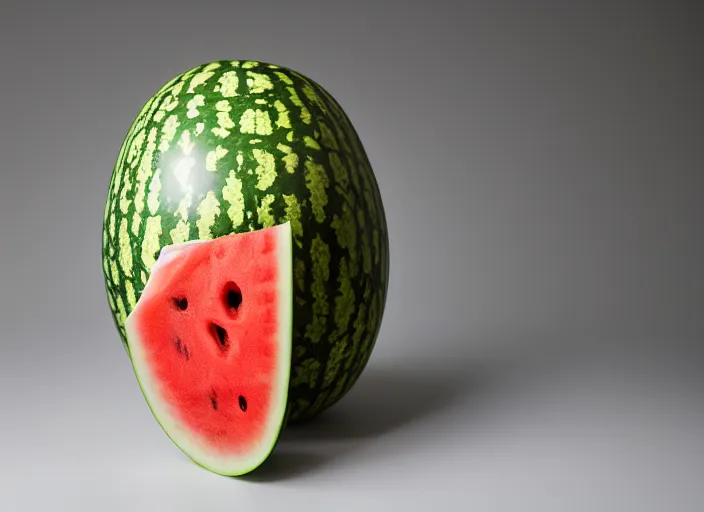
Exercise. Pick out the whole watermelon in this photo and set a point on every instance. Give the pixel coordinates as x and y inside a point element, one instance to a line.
<point>235,146</point>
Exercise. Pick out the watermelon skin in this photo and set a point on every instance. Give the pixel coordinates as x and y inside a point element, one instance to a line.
<point>236,146</point>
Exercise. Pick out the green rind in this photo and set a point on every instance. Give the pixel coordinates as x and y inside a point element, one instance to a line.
<point>332,195</point>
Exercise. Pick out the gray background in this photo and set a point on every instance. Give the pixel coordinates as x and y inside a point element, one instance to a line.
<point>541,165</point>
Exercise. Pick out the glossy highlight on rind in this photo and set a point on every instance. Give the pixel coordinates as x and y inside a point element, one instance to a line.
<point>236,146</point>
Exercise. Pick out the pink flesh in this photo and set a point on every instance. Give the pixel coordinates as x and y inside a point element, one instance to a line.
<point>201,380</point>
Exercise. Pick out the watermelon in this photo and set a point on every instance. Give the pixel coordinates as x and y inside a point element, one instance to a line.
<point>210,340</point>
<point>233,148</point>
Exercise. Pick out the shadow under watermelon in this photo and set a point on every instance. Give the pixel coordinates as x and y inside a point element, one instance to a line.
<point>386,399</point>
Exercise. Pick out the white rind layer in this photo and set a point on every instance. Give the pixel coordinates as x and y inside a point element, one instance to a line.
<point>195,448</point>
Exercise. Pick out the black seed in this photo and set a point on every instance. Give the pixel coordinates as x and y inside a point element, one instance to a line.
<point>233,297</point>
<point>243,403</point>
<point>214,403</point>
<point>181,303</point>
<point>182,348</point>
<point>220,335</point>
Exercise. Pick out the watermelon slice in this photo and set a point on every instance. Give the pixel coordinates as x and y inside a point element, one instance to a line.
<point>210,341</point>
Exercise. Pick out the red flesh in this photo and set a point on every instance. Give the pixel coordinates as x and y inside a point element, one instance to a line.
<point>201,380</point>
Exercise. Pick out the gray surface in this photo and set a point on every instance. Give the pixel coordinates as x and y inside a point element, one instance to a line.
<point>542,170</point>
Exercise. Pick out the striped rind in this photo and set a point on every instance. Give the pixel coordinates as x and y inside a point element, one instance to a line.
<point>236,146</point>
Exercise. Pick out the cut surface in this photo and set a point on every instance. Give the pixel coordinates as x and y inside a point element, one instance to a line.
<point>210,341</point>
